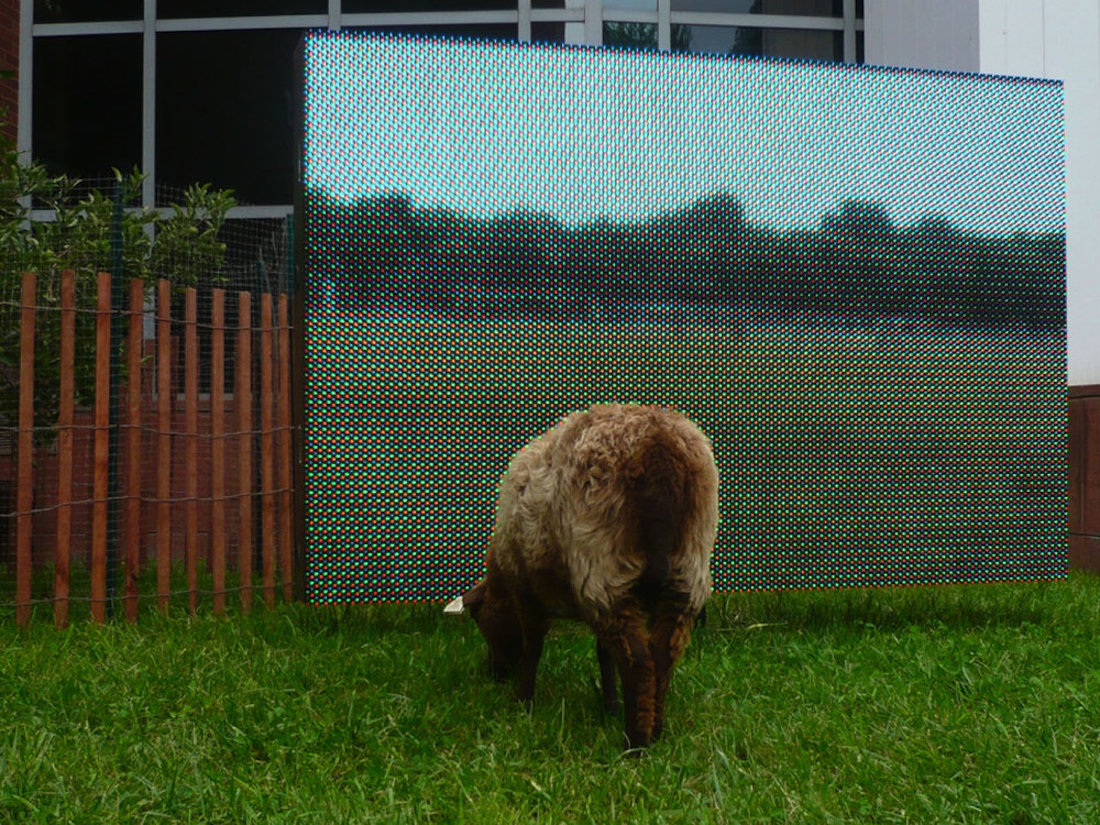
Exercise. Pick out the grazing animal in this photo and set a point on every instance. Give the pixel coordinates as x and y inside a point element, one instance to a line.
<point>609,517</point>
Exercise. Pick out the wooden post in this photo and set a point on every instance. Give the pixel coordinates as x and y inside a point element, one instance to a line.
<point>243,393</point>
<point>217,448</point>
<point>286,475</point>
<point>65,451</point>
<point>164,443</point>
<point>132,515</point>
<point>25,472</point>
<point>267,449</point>
<point>102,443</point>
<point>191,453</point>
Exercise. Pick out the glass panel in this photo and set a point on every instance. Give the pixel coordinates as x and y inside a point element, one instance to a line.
<point>84,11</point>
<point>257,254</point>
<point>492,31</point>
<point>548,32</point>
<point>224,113</point>
<point>363,6</point>
<point>811,8</point>
<point>86,105</point>
<point>797,43</point>
<point>630,35</point>
<point>633,5</point>
<point>234,8</point>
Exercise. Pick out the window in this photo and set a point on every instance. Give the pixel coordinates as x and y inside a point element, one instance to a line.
<point>83,11</point>
<point>86,108</point>
<point>233,8</point>
<point>799,43</point>
<point>226,111</point>
<point>368,6</point>
<point>224,98</point>
<point>630,35</point>
<point>810,8</point>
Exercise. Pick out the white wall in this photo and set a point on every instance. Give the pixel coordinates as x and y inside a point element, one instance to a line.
<point>927,34</point>
<point>1058,39</point>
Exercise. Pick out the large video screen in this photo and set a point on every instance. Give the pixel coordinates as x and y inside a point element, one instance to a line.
<point>852,278</point>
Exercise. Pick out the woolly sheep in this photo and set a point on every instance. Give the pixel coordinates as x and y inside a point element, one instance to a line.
<point>609,517</point>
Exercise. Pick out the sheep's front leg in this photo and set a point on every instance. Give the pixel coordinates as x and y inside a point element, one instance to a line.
<point>624,634</point>
<point>607,679</point>
<point>533,626</point>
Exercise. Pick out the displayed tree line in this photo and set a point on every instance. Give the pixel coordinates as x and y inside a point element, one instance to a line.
<point>706,258</point>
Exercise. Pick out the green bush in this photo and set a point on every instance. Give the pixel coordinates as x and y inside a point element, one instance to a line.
<point>91,231</point>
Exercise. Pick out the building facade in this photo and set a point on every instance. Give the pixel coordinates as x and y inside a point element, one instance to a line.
<point>202,90</point>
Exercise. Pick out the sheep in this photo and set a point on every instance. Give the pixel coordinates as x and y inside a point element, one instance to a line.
<point>609,517</point>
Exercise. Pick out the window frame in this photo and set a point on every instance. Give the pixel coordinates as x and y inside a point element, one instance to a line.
<point>583,20</point>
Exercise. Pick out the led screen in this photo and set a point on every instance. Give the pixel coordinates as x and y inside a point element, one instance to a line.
<point>851,277</point>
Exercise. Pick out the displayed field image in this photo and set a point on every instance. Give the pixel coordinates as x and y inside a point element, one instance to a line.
<point>878,355</point>
<point>840,463</point>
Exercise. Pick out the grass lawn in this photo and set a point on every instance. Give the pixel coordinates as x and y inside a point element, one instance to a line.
<point>977,704</point>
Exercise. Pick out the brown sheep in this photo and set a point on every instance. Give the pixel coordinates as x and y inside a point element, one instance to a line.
<point>609,517</point>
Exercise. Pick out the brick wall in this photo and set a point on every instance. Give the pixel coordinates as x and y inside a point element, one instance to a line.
<point>1084,478</point>
<point>44,533</point>
<point>9,61</point>
<point>46,473</point>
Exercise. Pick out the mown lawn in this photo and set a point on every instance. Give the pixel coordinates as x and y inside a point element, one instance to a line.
<point>957,704</point>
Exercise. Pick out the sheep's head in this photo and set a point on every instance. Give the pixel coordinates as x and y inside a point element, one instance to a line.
<point>496,617</point>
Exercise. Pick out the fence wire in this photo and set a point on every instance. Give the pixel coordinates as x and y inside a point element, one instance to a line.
<point>92,227</point>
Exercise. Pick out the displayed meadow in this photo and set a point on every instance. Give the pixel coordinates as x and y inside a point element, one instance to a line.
<point>851,452</point>
<point>975,704</point>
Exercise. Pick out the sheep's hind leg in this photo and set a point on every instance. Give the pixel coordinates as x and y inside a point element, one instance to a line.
<point>607,679</point>
<point>625,636</point>
<point>669,637</point>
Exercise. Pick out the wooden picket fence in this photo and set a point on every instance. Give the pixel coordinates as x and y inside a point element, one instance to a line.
<point>147,433</point>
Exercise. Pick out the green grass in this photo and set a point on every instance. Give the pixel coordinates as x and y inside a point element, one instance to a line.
<point>977,704</point>
<point>42,591</point>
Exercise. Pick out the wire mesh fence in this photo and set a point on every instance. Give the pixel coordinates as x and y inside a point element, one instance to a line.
<point>145,431</point>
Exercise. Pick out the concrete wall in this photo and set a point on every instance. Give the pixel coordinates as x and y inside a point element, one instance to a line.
<point>932,34</point>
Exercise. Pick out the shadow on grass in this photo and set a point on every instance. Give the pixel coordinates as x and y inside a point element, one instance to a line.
<point>1073,600</point>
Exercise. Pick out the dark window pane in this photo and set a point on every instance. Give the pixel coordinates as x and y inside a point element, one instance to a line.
<point>257,254</point>
<point>83,11</point>
<point>492,31</point>
<point>796,43</point>
<point>232,8</point>
<point>364,6</point>
<point>630,35</point>
<point>548,32</point>
<point>811,8</point>
<point>257,260</point>
<point>224,111</point>
<point>86,106</point>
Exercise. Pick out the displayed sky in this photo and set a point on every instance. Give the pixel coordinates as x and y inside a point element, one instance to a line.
<point>581,134</point>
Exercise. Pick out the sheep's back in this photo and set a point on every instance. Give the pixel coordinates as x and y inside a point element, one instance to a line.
<point>574,501</point>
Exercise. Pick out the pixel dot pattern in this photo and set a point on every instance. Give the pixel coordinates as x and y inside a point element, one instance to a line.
<point>886,398</point>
